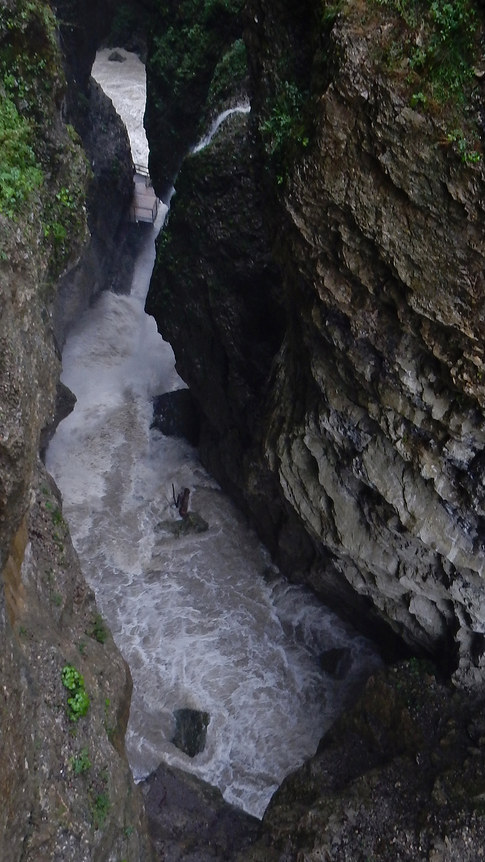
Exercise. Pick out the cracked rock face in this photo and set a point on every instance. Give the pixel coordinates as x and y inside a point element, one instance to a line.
<point>384,248</point>
<point>399,776</point>
<point>370,428</point>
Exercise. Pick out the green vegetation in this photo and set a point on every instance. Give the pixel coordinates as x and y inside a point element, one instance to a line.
<point>22,68</point>
<point>286,130</point>
<point>99,798</point>
<point>56,514</point>
<point>98,630</point>
<point>20,172</point>
<point>99,809</point>
<point>229,76</point>
<point>463,146</point>
<point>109,728</point>
<point>125,21</point>
<point>37,152</point>
<point>80,763</point>
<point>190,42</point>
<point>78,702</point>
<point>436,43</point>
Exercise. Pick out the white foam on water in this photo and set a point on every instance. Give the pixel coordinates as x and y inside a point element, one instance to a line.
<point>125,84</point>
<point>194,618</point>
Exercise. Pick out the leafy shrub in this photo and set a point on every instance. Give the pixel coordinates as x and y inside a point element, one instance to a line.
<point>78,703</point>
<point>20,173</point>
<point>440,44</point>
<point>81,762</point>
<point>100,809</point>
<point>98,631</point>
<point>229,75</point>
<point>467,154</point>
<point>34,159</point>
<point>285,130</point>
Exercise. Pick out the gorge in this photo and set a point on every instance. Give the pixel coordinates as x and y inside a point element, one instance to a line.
<point>191,614</point>
<point>320,282</point>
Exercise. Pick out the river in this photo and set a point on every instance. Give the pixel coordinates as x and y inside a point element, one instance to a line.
<point>204,621</point>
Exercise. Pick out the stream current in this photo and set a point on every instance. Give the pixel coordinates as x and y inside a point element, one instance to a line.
<point>195,619</point>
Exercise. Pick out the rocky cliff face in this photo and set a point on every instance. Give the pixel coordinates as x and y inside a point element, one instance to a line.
<point>371,415</point>
<point>66,789</point>
<point>380,233</point>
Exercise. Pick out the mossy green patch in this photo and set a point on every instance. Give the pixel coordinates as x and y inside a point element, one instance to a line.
<point>435,45</point>
<point>20,173</point>
<point>43,171</point>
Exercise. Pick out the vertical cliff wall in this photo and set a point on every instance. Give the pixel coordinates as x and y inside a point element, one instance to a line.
<point>66,789</point>
<point>373,193</point>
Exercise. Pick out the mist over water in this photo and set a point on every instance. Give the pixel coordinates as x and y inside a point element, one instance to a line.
<point>194,617</point>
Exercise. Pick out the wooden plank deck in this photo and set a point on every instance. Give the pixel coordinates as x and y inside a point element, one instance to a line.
<point>144,206</point>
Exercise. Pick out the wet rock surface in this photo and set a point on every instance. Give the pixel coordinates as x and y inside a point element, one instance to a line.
<point>400,776</point>
<point>177,414</point>
<point>361,461</point>
<point>185,46</point>
<point>336,662</point>
<point>66,786</point>
<point>190,730</point>
<point>107,260</point>
<point>190,822</point>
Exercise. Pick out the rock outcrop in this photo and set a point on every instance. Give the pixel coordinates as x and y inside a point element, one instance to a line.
<point>190,821</point>
<point>66,787</point>
<point>105,141</point>
<point>370,415</point>
<point>399,777</point>
<point>358,445</point>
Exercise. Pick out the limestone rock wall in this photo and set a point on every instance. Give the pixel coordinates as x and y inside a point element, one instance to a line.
<point>398,777</point>
<point>67,791</point>
<point>104,262</point>
<point>370,428</point>
<point>381,238</point>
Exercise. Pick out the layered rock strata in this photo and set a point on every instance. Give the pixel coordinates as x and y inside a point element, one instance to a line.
<point>370,415</point>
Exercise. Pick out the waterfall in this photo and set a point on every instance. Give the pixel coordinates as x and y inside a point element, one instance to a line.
<point>206,139</point>
<point>204,620</point>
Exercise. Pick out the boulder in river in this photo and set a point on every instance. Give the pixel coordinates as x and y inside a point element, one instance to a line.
<point>190,730</point>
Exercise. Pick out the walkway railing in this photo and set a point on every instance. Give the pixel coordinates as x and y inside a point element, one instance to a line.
<point>145,203</point>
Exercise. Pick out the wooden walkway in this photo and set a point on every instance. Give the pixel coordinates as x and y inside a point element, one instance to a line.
<point>144,206</point>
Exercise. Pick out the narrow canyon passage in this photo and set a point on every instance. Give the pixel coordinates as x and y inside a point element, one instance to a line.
<point>198,624</point>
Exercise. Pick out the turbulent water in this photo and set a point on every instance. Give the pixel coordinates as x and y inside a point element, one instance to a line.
<point>203,620</point>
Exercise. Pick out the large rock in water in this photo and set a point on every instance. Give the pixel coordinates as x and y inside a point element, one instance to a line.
<point>176,414</point>
<point>190,730</point>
